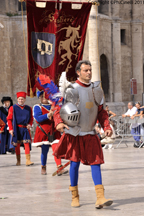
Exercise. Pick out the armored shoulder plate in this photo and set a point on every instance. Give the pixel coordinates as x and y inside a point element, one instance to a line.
<point>98,92</point>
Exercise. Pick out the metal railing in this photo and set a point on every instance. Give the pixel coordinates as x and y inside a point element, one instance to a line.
<point>124,126</point>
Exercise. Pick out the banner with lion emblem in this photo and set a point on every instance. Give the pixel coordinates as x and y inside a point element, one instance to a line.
<point>55,40</point>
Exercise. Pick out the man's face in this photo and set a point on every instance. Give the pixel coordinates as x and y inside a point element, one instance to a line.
<point>21,100</point>
<point>137,106</point>
<point>42,99</point>
<point>130,106</point>
<point>107,108</point>
<point>85,74</point>
<point>7,104</point>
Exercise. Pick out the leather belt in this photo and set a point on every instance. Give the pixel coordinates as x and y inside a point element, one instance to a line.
<point>22,126</point>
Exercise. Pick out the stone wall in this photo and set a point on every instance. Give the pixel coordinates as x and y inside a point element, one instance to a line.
<point>126,67</point>
<point>9,6</point>
<point>5,58</point>
<point>13,72</point>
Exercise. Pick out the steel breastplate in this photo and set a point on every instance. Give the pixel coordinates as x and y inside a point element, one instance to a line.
<point>87,106</point>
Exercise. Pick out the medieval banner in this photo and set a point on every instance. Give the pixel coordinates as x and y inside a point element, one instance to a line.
<point>55,40</point>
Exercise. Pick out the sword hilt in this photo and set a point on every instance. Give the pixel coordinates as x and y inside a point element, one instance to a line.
<point>61,168</point>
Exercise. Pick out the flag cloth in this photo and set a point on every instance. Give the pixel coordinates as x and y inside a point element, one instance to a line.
<point>55,40</point>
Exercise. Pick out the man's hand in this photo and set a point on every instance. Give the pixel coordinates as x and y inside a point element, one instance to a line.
<point>1,131</point>
<point>123,115</point>
<point>50,114</point>
<point>60,127</point>
<point>132,117</point>
<point>11,132</point>
<point>108,133</point>
<point>28,126</point>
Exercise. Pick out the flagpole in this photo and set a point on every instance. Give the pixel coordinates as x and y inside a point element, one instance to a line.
<point>56,1</point>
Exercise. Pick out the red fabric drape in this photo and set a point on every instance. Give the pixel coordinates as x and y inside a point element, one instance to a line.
<point>55,40</point>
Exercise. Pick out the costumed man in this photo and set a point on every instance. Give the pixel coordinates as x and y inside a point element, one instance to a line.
<point>20,121</point>
<point>45,133</point>
<point>5,137</point>
<point>79,142</point>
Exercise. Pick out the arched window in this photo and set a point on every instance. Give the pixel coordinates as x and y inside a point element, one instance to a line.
<point>23,5</point>
<point>104,76</point>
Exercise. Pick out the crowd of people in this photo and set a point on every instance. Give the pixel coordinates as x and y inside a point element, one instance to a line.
<point>137,129</point>
<point>16,122</point>
<point>77,139</point>
<point>71,137</point>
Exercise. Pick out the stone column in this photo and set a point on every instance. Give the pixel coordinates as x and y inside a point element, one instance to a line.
<point>137,57</point>
<point>93,45</point>
<point>5,66</point>
<point>116,55</point>
<point>115,9</point>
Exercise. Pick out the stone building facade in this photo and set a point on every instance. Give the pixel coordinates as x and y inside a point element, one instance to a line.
<point>120,45</point>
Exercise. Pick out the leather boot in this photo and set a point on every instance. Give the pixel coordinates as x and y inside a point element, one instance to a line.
<point>75,196</point>
<point>43,170</point>
<point>101,200</point>
<point>63,171</point>
<point>18,160</point>
<point>28,162</point>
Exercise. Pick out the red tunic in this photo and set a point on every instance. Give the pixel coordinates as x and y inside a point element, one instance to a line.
<point>18,118</point>
<point>86,149</point>
<point>48,126</point>
<point>10,117</point>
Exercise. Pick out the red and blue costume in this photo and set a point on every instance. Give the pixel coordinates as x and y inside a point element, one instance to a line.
<point>44,130</point>
<point>40,113</point>
<point>18,119</point>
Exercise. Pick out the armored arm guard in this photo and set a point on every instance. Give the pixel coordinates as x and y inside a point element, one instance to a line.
<point>102,114</point>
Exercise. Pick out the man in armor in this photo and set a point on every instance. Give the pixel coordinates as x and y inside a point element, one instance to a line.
<point>79,142</point>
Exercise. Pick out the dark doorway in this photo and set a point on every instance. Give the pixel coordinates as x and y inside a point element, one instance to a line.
<point>104,76</point>
<point>123,33</point>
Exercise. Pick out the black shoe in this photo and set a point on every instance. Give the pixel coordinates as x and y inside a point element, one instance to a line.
<point>136,144</point>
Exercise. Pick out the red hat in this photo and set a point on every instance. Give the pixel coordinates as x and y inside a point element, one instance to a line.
<point>21,94</point>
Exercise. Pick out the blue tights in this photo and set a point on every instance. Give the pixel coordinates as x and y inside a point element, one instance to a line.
<point>44,152</point>
<point>95,170</point>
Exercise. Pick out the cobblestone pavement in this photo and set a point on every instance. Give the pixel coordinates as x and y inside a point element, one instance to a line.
<point>28,193</point>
